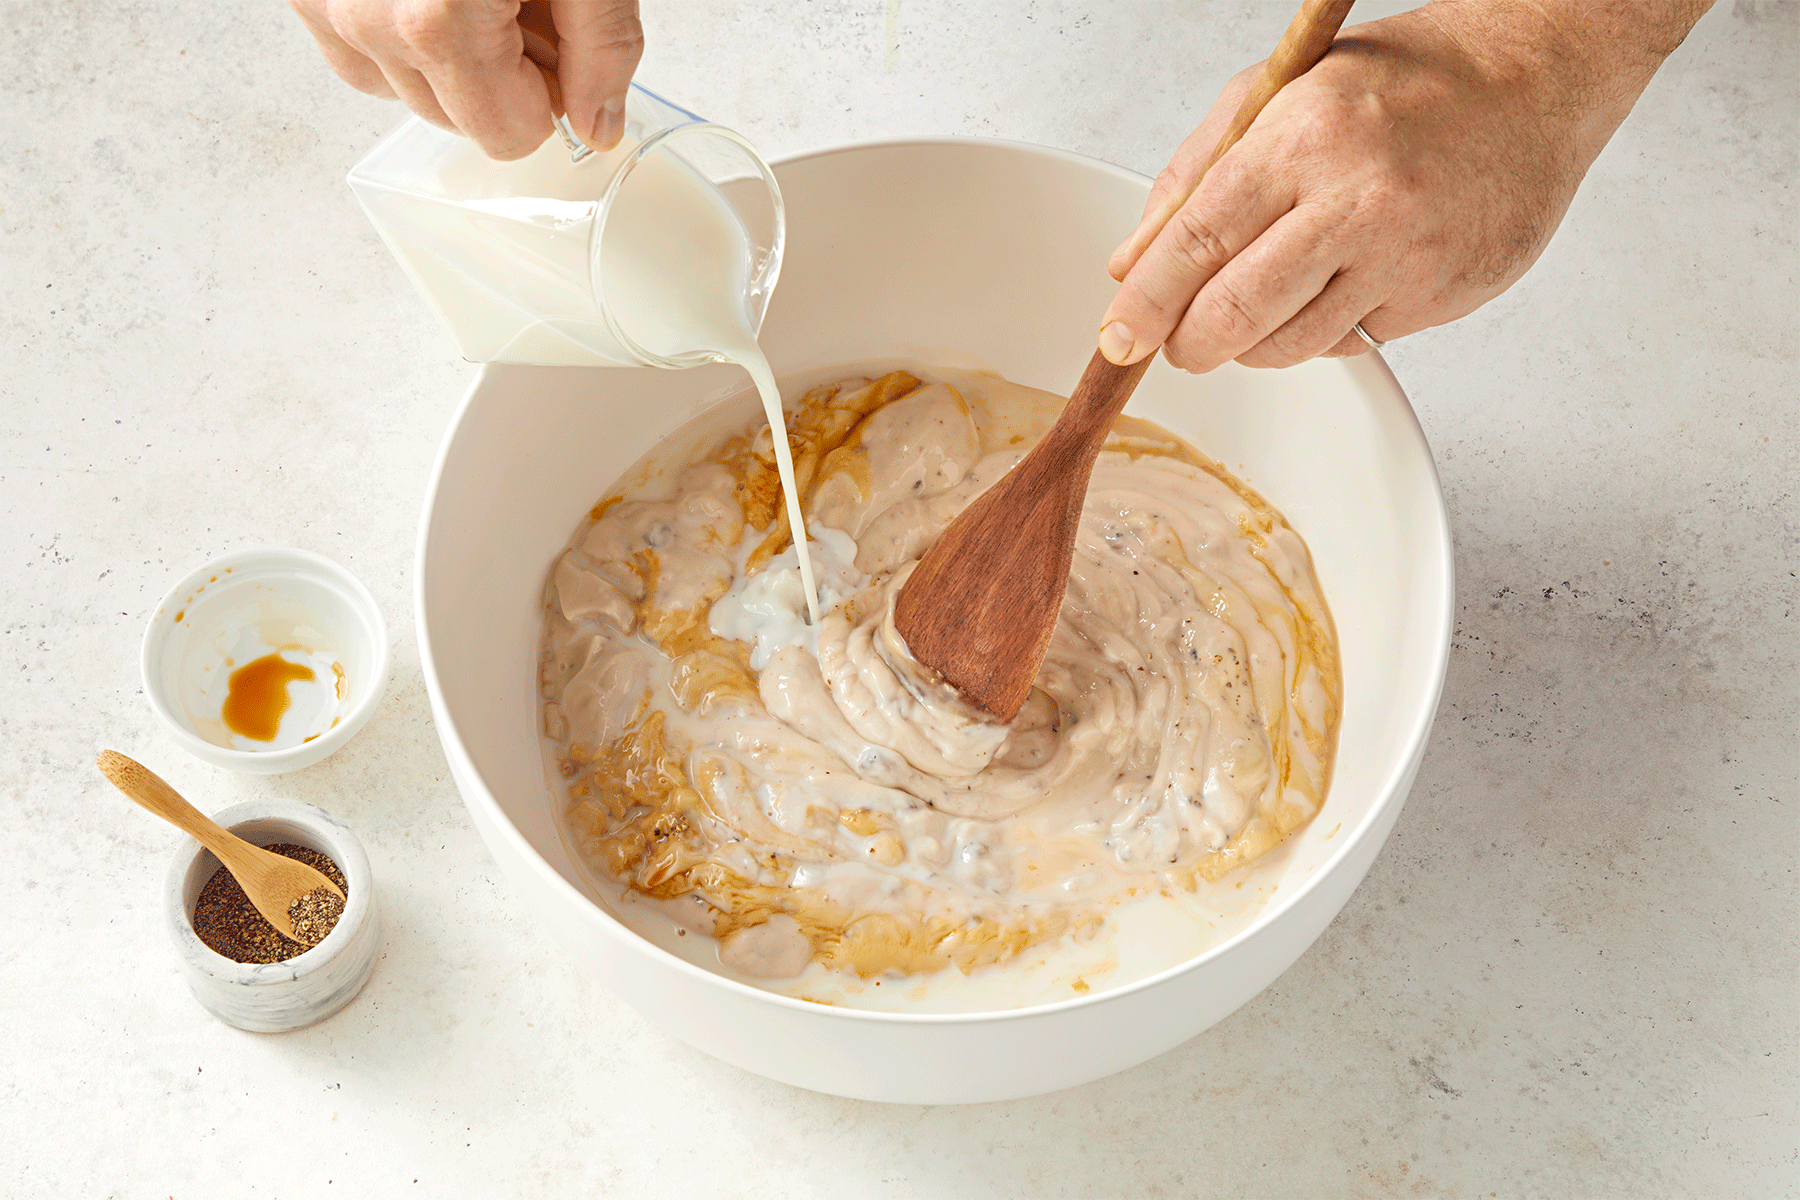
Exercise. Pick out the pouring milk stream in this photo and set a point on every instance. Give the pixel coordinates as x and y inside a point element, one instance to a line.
<point>661,252</point>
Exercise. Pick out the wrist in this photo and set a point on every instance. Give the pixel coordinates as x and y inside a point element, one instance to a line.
<point>1586,61</point>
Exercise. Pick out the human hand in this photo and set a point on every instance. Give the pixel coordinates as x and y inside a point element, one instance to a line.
<point>462,64</point>
<point>1411,176</point>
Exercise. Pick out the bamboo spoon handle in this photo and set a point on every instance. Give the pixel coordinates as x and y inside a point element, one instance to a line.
<point>1307,39</point>
<point>146,789</point>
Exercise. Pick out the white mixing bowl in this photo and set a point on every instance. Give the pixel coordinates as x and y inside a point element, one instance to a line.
<point>940,250</point>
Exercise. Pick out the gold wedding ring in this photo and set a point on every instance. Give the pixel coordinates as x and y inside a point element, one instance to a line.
<point>1364,335</point>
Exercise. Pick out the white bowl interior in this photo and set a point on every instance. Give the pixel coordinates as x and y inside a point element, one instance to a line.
<point>250,603</point>
<point>939,250</point>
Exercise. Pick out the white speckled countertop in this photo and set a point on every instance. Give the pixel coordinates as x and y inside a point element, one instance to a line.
<point>1572,971</point>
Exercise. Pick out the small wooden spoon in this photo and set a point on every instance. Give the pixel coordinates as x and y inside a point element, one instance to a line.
<point>981,605</point>
<point>270,880</point>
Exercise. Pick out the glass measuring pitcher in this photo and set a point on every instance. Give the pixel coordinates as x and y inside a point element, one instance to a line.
<point>660,252</point>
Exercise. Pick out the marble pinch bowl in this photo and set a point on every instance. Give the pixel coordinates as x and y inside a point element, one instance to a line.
<point>248,604</point>
<point>305,989</point>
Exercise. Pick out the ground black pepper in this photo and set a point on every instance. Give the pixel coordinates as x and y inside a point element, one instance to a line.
<point>315,914</point>
<point>228,923</point>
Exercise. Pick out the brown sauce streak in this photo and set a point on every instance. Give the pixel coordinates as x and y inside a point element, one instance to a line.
<point>259,696</point>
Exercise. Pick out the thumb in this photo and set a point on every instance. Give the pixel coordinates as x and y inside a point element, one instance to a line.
<point>601,42</point>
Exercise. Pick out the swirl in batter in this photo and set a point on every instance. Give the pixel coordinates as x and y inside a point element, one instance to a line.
<point>809,794</point>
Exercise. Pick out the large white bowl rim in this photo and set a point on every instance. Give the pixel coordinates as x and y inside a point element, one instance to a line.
<point>1397,777</point>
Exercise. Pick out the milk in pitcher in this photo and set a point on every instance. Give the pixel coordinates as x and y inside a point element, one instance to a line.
<point>630,257</point>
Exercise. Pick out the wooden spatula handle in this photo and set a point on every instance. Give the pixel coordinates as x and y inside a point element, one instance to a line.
<point>981,605</point>
<point>1081,429</point>
<point>1307,39</point>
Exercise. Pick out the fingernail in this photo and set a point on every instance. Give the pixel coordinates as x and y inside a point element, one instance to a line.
<point>1116,342</point>
<point>609,126</point>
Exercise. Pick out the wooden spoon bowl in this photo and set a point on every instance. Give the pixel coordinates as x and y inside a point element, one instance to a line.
<point>981,605</point>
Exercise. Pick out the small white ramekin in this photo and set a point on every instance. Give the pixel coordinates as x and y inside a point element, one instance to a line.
<point>277,997</point>
<point>269,598</point>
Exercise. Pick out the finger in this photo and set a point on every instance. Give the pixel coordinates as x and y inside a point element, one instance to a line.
<point>478,69</point>
<point>1257,292</point>
<point>416,93</point>
<point>352,66</point>
<point>1176,181</point>
<point>1232,207</point>
<point>1385,321</point>
<point>602,42</point>
<point>1323,326</point>
<point>501,105</point>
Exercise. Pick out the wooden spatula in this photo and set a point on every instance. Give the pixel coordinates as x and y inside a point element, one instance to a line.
<point>980,607</point>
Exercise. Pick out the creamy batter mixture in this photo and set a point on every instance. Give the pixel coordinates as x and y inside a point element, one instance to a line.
<point>805,799</point>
